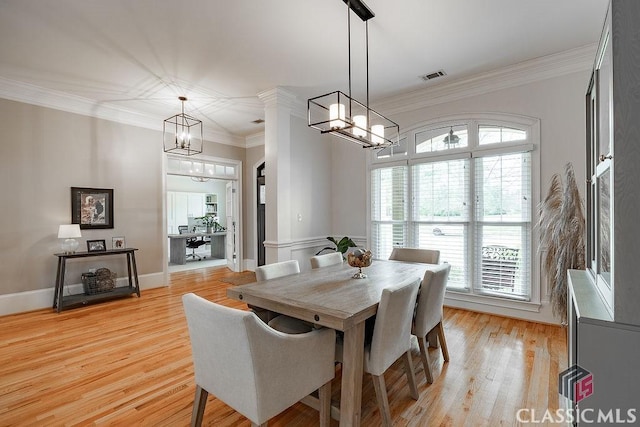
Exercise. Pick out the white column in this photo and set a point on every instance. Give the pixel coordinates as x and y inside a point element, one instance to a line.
<point>279,105</point>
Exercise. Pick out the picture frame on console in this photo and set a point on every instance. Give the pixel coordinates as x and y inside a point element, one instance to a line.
<point>118,242</point>
<point>92,208</point>
<point>96,245</point>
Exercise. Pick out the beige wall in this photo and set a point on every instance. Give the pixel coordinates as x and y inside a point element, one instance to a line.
<point>44,152</point>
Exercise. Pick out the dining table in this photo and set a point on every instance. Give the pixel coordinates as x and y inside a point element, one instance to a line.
<point>331,297</point>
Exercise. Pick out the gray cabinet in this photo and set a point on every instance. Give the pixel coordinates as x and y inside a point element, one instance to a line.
<point>613,163</point>
<point>604,300</point>
<point>609,351</point>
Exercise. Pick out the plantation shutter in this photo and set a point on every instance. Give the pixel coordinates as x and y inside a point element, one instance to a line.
<point>388,209</point>
<point>503,224</point>
<point>441,214</point>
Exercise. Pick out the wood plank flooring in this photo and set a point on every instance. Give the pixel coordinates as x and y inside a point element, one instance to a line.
<point>128,362</point>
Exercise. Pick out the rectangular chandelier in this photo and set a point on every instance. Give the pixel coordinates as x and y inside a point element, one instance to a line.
<point>338,114</point>
<point>341,115</point>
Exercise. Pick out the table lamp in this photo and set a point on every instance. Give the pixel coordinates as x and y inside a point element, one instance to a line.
<point>69,232</point>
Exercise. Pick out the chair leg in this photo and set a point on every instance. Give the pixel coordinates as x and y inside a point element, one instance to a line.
<point>443,342</point>
<point>411,377</point>
<point>199,402</point>
<point>422,343</point>
<point>383,400</point>
<point>324,394</point>
<point>432,337</point>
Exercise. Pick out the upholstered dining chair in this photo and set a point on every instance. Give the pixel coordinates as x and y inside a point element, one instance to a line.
<point>391,340</point>
<point>277,269</point>
<point>272,271</point>
<point>254,369</point>
<point>326,260</point>
<point>428,316</point>
<point>278,321</point>
<point>429,256</point>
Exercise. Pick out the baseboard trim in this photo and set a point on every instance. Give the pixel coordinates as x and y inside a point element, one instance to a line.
<point>22,302</point>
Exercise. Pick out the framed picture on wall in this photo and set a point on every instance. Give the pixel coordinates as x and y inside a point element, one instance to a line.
<point>92,207</point>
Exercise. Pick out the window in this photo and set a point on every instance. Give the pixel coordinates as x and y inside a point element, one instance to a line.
<point>471,200</point>
<point>503,224</point>
<point>398,151</point>
<point>441,139</point>
<point>441,213</point>
<point>389,208</point>
<point>498,134</point>
<point>200,168</point>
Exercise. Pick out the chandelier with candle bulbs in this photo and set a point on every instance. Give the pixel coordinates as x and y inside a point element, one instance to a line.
<point>339,114</point>
<point>182,133</point>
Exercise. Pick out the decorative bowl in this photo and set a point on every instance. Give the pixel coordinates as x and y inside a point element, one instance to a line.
<point>359,258</point>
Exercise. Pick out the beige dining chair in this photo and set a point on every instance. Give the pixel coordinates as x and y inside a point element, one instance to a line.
<point>282,323</point>
<point>277,269</point>
<point>391,340</point>
<point>326,260</point>
<point>254,369</point>
<point>428,318</point>
<point>272,271</point>
<point>429,256</point>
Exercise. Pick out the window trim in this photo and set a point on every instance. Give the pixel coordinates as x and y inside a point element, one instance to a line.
<point>538,290</point>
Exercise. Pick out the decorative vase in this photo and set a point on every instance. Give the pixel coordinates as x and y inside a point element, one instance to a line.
<point>209,229</point>
<point>359,258</point>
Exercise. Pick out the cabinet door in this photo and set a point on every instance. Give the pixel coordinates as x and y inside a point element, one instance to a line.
<point>605,92</point>
<point>195,207</point>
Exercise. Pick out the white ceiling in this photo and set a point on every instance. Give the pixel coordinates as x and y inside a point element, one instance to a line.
<point>140,55</point>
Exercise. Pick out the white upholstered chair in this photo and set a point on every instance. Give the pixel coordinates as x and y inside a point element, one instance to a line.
<point>326,260</point>
<point>254,369</point>
<point>272,271</point>
<point>277,321</point>
<point>428,256</point>
<point>277,269</point>
<point>391,340</point>
<point>428,316</point>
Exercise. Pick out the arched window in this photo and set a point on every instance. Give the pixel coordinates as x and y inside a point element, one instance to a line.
<point>462,186</point>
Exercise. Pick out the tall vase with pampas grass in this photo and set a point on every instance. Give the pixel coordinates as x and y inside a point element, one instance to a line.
<point>562,236</point>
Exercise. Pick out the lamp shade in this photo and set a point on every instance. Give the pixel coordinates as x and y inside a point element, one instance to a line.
<point>69,231</point>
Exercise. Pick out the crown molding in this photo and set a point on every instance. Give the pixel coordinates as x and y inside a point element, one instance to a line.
<point>255,140</point>
<point>281,97</point>
<point>543,68</point>
<point>550,66</point>
<point>36,95</point>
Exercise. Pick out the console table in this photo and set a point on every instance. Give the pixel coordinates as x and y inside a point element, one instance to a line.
<point>62,302</point>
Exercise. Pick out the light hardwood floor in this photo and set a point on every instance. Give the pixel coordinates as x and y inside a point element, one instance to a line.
<point>128,362</point>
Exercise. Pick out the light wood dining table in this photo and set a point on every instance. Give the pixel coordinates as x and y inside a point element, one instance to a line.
<point>330,297</point>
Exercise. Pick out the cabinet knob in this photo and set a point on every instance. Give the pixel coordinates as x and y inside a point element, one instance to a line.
<point>603,157</point>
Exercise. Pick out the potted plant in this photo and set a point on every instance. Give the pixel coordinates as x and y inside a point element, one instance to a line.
<point>341,245</point>
<point>211,224</point>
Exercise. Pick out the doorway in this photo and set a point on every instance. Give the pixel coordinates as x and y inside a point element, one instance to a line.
<point>197,192</point>
<point>260,216</point>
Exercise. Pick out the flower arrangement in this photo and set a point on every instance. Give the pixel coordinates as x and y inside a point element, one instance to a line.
<point>210,222</point>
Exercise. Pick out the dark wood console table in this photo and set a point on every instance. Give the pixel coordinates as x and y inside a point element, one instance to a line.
<point>62,302</point>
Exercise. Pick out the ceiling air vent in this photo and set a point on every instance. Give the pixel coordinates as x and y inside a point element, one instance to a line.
<point>432,76</point>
